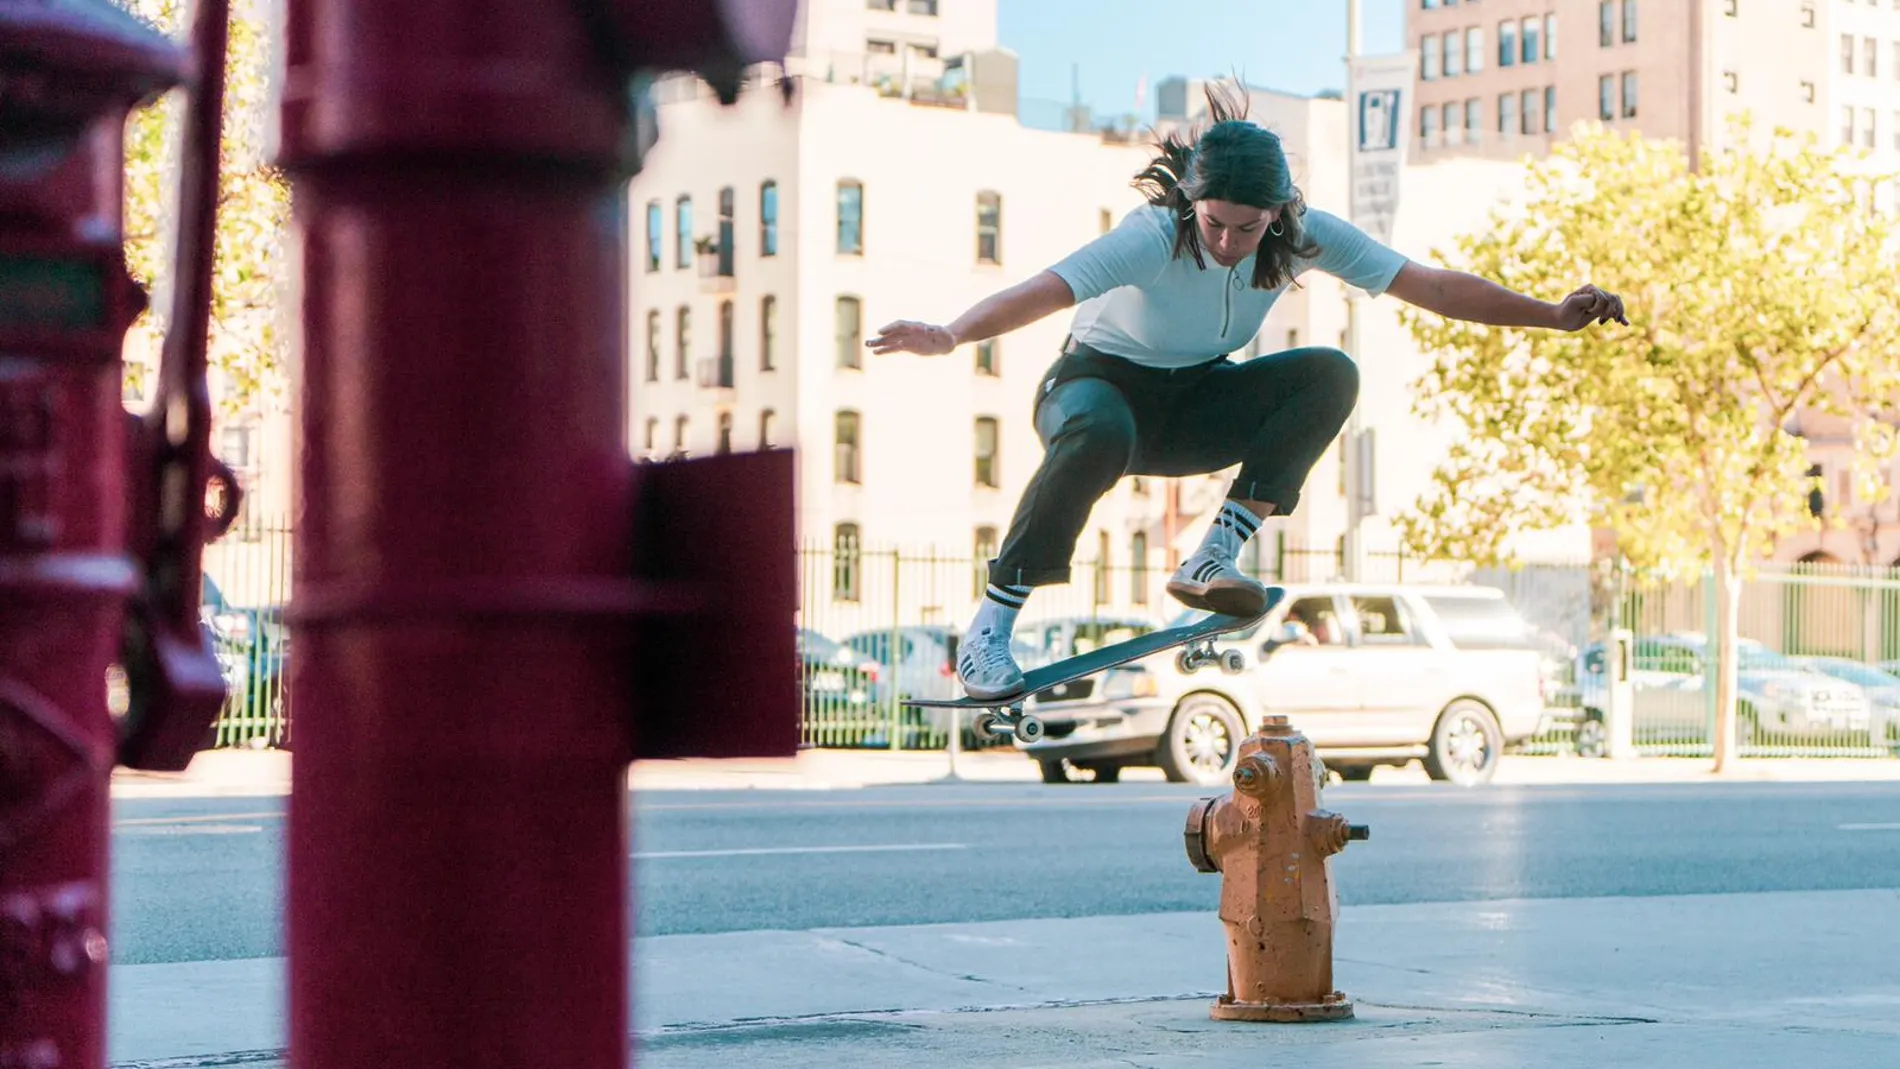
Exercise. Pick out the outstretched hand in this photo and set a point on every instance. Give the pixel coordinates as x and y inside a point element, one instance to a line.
<point>1589,304</point>
<point>907,336</point>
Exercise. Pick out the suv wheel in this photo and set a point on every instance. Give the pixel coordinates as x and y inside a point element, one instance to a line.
<point>1591,740</point>
<point>1202,741</point>
<point>1465,744</point>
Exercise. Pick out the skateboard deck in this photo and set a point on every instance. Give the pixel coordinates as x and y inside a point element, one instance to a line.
<point>1198,635</point>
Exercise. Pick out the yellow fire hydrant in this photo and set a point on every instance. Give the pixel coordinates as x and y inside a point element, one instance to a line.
<point>1272,843</point>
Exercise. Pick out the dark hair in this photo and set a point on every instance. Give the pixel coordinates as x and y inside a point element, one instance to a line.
<point>1232,160</point>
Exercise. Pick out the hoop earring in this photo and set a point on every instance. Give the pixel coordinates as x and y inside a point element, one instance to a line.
<point>1279,233</point>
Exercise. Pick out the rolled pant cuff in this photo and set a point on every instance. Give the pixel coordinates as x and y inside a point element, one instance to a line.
<point>1283,498</point>
<point>1002,576</point>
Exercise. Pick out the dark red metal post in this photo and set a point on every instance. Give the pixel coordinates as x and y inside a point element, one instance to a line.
<point>84,579</point>
<point>465,599</point>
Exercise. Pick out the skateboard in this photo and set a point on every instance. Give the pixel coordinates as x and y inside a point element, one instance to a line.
<point>1004,716</point>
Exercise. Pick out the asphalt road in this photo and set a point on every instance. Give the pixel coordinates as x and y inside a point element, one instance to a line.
<point>200,879</point>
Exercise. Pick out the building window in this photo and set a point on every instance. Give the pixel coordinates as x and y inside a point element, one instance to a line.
<point>923,7</point>
<point>1847,125</point>
<point>683,232</point>
<point>1867,128</point>
<point>1550,109</point>
<point>1453,118</point>
<point>1507,115</point>
<point>724,369</point>
<point>1807,92</point>
<point>768,219</point>
<point>683,338</point>
<point>1138,568</point>
<point>1606,23</point>
<point>1102,562</point>
<point>1107,220</point>
<point>986,363</point>
<point>1428,126</point>
<point>1894,127</point>
<point>768,333</point>
<point>1530,35</point>
<point>1730,81</point>
<point>880,5</point>
<point>655,237</point>
<point>1629,94</point>
<point>725,434</point>
<point>1474,121</point>
<point>766,419</point>
<point>1550,36</point>
<point>727,212</point>
<point>1531,112</point>
<point>1870,56</point>
<point>1428,57</point>
<point>845,452</point>
<point>653,346</point>
<point>850,218</point>
<point>1847,53</point>
<point>1606,97</point>
<point>989,228</point>
<point>1629,21</point>
<point>1474,50</point>
<point>850,332</point>
<point>845,556</point>
<point>1507,44</point>
<point>1728,8</point>
<point>679,436</point>
<point>984,551</point>
<point>988,471</point>
<point>1454,53</point>
<point>651,439</point>
<point>1807,14</point>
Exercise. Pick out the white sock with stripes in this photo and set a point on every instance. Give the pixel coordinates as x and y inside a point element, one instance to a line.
<point>1231,529</point>
<point>1000,606</point>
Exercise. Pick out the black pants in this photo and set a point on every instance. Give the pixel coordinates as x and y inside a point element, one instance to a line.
<point>1101,417</point>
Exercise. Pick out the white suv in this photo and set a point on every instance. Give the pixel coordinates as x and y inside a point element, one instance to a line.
<point>1371,674</point>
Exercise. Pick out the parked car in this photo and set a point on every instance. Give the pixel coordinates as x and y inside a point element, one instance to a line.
<point>1370,674</point>
<point>252,646</point>
<point>1776,698</point>
<point>1882,690</point>
<point>832,676</point>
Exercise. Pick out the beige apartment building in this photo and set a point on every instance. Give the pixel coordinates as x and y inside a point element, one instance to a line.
<point>1502,79</point>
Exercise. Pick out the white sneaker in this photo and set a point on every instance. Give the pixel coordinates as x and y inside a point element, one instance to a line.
<point>1211,581</point>
<point>986,668</point>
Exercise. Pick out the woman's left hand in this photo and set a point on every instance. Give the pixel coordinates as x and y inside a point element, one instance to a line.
<point>1589,304</point>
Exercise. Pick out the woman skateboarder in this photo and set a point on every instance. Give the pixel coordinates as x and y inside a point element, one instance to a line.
<point>1144,384</point>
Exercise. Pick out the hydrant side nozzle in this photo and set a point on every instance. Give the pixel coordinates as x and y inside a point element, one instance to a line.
<point>1195,836</point>
<point>1358,832</point>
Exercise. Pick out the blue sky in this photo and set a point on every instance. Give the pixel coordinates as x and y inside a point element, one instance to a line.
<point>1293,45</point>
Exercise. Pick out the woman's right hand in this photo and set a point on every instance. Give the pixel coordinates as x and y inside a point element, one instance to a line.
<point>907,336</point>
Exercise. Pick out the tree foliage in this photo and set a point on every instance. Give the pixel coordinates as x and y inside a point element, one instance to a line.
<point>1758,291</point>
<point>247,343</point>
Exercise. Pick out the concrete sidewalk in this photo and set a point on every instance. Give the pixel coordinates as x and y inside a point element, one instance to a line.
<point>238,773</point>
<point>1735,981</point>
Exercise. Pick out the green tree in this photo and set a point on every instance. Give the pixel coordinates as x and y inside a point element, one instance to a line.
<point>246,342</point>
<point>1758,288</point>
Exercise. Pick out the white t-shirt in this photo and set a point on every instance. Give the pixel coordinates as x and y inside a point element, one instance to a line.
<point>1135,300</point>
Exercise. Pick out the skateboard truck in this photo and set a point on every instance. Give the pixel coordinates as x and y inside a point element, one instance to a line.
<point>1200,653</point>
<point>1007,721</point>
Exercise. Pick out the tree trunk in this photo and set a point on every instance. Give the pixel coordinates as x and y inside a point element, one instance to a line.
<point>1728,608</point>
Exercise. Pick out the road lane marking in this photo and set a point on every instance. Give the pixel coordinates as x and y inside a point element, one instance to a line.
<point>1870,827</point>
<point>198,818</point>
<point>757,851</point>
<point>196,829</point>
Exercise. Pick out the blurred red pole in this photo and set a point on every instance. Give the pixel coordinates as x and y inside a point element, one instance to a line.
<point>464,602</point>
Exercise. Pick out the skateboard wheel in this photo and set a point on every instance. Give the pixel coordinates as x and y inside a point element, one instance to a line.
<point>983,727</point>
<point>1187,661</point>
<point>1029,729</point>
<point>1233,662</point>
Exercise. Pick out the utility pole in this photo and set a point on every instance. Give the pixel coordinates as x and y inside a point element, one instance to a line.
<point>1354,563</point>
